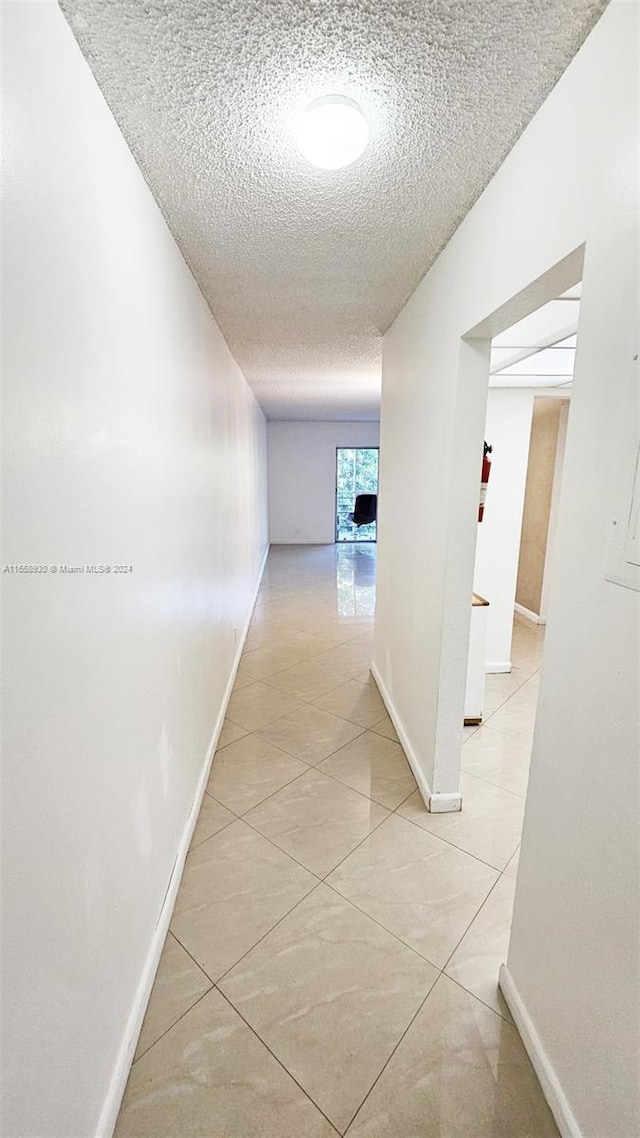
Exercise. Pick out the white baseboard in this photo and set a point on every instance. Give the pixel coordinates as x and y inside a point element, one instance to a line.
<point>435,803</point>
<point>113,1100</point>
<point>529,615</point>
<point>497,667</point>
<point>551,1088</point>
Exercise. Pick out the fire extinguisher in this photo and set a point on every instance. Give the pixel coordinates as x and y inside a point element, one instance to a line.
<point>484,481</point>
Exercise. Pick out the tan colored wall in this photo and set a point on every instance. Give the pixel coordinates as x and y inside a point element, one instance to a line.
<point>537,502</point>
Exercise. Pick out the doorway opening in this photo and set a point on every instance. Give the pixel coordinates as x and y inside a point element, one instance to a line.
<point>356,474</point>
<point>530,382</point>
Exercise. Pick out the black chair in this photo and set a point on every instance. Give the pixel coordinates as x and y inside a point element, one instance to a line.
<point>365,510</point>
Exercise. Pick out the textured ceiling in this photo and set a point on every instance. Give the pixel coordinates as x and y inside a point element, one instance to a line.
<point>305,269</point>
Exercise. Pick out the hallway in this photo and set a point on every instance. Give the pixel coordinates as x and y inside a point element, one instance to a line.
<point>334,950</point>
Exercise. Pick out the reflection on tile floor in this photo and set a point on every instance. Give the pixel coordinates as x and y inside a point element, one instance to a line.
<point>333,957</point>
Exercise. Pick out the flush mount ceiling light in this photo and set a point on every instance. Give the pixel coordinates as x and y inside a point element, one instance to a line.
<point>333,132</point>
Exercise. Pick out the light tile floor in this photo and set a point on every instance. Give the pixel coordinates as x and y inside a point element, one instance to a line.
<point>333,956</point>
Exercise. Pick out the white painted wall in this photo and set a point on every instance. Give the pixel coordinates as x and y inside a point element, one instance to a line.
<point>508,425</point>
<point>569,180</point>
<point>302,477</point>
<point>130,437</point>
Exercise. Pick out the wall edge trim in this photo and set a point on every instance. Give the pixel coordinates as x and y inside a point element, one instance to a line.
<point>435,803</point>
<point>497,667</point>
<point>542,1065</point>
<point>120,1074</point>
<point>528,614</point>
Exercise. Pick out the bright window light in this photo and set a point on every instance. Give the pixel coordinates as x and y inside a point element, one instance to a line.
<point>333,132</point>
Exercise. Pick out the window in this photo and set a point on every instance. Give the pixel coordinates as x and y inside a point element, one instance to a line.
<point>356,473</point>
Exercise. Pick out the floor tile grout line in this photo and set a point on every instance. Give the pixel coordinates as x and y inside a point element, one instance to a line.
<point>318,881</point>
<point>301,699</point>
<point>482,905</point>
<point>288,642</point>
<point>324,881</point>
<point>289,667</point>
<point>305,632</point>
<point>447,840</point>
<point>313,702</point>
<point>385,928</point>
<point>278,1061</point>
<point>352,904</point>
<point>390,1057</point>
<point>181,1016</point>
<point>214,987</point>
<point>301,864</point>
<point>440,968</point>
<point>356,847</point>
<point>210,836</point>
<point>325,774</point>
<point>481,778</point>
<point>362,731</point>
<point>475,996</point>
<point>498,785</point>
<point>408,1028</point>
<point>304,703</point>
<point>391,810</point>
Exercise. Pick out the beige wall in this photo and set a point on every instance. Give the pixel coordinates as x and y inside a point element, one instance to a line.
<point>537,502</point>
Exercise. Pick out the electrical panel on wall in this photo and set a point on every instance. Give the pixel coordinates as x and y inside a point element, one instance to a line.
<point>622,557</point>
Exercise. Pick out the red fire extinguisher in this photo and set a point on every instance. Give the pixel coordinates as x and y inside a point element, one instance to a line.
<point>484,481</point>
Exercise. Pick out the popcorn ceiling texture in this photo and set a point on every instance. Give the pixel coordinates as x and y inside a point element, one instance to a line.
<point>306,269</point>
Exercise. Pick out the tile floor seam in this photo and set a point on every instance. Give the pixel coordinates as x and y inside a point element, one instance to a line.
<point>404,943</point>
<point>273,793</point>
<point>196,845</point>
<point>333,778</point>
<point>390,1057</point>
<point>482,778</point>
<point>208,792</point>
<point>369,797</point>
<point>196,962</point>
<point>274,1056</point>
<point>484,1003</point>
<point>362,731</point>
<point>246,953</point>
<point>477,914</point>
<point>346,679</point>
<point>255,805</point>
<point>492,782</point>
<point>178,1018</point>
<point>520,685</point>
<point>302,660</point>
<point>349,900</point>
<point>403,803</point>
<point>293,858</point>
<point>350,903</point>
<point>306,702</point>
<point>267,933</point>
<point>506,734</point>
<point>449,842</point>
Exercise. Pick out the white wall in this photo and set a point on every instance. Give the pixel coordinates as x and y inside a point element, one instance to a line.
<point>302,477</point>
<point>569,180</point>
<point>508,425</point>
<point>131,437</point>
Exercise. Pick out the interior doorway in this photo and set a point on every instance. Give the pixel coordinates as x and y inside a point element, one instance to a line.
<point>356,473</point>
<point>527,411</point>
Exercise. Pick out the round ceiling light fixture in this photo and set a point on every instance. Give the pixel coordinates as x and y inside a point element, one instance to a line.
<point>333,132</point>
